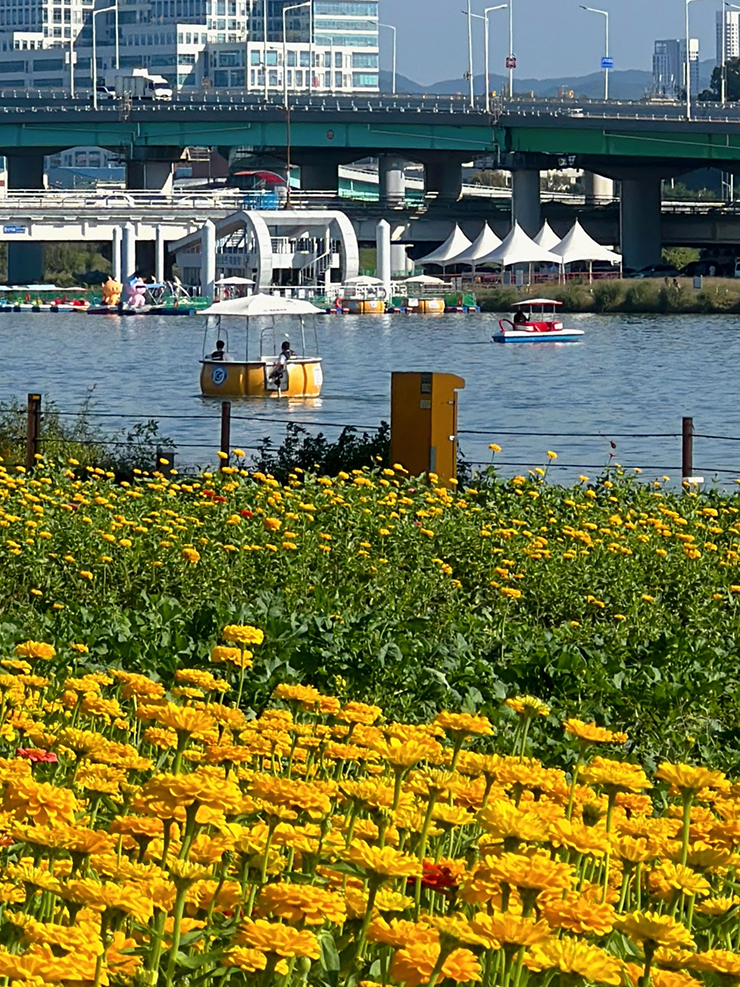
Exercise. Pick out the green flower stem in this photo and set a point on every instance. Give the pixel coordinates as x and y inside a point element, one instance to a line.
<point>433,796</point>
<point>372,891</point>
<point>182,888</point>
<point>688,798</point>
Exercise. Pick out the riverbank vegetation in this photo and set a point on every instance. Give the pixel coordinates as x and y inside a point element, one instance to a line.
<point>646,295</point>
<point>616,598</point>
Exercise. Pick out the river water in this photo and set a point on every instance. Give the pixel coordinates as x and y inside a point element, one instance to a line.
<point>631,375</point>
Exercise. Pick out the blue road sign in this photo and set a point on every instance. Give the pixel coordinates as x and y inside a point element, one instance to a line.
<point>607,63</point>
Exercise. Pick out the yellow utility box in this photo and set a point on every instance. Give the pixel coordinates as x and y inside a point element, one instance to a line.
<point>424,423</point>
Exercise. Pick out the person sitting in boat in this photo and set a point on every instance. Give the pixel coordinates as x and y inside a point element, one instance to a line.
<point>220,352</point>
<point>280,366</point>
<point>519,318</point>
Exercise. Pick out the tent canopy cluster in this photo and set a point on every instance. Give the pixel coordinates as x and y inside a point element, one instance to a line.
<point>576,247</point>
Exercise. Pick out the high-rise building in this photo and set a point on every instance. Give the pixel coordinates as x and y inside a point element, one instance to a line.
<point>331,46</point>
<point>730,36</point>
<point>669,66</point>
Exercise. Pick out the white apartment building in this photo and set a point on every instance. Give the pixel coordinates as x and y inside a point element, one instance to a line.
<point>195,44</point>
<point>730,35</point>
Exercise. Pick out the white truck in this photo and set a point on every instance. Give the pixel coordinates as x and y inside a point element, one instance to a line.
<point>135,83</point>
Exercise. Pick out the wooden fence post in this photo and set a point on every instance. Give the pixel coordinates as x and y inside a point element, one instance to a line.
<point>33,424</point>
<point>687,458</point>
<point>225,431</point>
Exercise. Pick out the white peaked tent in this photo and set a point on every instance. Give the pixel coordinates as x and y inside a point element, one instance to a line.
<point>578,247</point>
<point>484,243</point>
<point>518,248</point>
<point>547,237</point>
<point>455,244</point>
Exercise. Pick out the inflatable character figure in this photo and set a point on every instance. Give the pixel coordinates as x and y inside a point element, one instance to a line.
<point>112,292</point>
<point>135,292</point>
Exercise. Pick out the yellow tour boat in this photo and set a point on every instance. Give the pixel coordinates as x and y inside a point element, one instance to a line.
<point>278,370</point>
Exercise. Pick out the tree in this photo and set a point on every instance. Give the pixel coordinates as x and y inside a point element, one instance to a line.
<point>714,93</point>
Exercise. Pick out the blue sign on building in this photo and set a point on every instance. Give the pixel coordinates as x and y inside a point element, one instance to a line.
<point>607,63</point>
<point>14,229</point>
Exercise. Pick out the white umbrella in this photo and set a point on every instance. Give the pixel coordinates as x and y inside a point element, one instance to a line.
<point>455,243</point>
<point>234,280</point>
<point>254,305</point>
<point>518,248</point>
<point>547,237</point>
<point>424,279</point>
<point>484,243</point>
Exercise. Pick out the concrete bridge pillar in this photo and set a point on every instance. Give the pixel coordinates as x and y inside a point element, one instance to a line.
<point>525,199</point>
<point>598,189</point>
<point>158,176</point>
<point>443,175</point>
<point>25,260</point>
<point>208,259</point>
<point>128,252</point>
<point>320,173</point>
<point>159,255</point>
<point>116,253</point>
<point>640,219</point>
<point>392,180</point>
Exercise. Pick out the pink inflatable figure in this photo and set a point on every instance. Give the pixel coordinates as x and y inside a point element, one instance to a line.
<point>135,292</point>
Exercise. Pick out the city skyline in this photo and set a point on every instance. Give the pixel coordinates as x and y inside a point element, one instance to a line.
<point>552,39</point>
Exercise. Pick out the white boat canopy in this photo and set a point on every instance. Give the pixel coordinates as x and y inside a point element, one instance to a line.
<point>254,305</point>
<point>547,237</point>
<point>484,243</point>
<point>518,248</point>
<point>234,280</point>
<point>577,246</point>
<point>423,279</point>
<point>363,279</point>
<point>455,244</point>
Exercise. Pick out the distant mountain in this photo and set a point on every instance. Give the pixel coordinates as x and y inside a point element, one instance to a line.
<point>628,84</point>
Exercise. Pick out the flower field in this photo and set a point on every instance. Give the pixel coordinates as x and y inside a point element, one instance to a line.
<point>615,599</point>
<point>150,833</point>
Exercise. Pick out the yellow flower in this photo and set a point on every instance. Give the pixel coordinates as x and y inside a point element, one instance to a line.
<point>274,937</point>
<point>494,448</point>
<point>301,903</point>
<point>464,723</point>
<point>81,648</point>
<point>384,861</point>
<point>414,965</point>
<point>35,649</point>
<point>551,454</point>
<point>660,930</point>
<point>527,706</point>
<point>242,634</point>
<point>618,776</point>
<point>592,734</point>
<point>85,574</point>
<point>506,929</point>
<point>577,958</point>
<point>686,778</point>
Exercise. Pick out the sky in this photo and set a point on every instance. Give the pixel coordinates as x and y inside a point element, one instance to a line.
<point>552,38</point>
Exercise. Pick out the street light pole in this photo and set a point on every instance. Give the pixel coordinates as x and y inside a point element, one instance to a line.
<point>470,57</point>
<point>511,49</point>
<point>390,27</point>
<point>484,17</point>
<point>103,10</point>
<point>294,6</point>
<point>605,13</point>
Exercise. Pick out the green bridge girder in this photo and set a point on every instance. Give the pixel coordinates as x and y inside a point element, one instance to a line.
<point>612,142</point>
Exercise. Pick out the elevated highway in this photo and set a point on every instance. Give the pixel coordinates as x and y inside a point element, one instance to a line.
<point>637,144</point>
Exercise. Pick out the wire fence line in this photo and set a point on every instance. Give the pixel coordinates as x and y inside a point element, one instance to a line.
<point>168,447</point>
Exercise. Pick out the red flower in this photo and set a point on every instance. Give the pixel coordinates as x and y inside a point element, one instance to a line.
<point>219,500</point>
<point>209,493</point>
<point>437,877</point>
<point>246,513</point>
<point>35,754</point>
